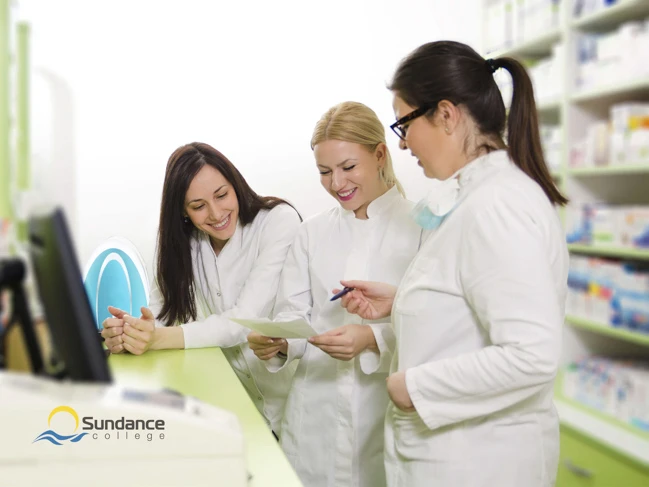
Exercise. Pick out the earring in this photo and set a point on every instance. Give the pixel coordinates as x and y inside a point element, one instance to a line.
<point>186,219</point>
<point>446,129</point>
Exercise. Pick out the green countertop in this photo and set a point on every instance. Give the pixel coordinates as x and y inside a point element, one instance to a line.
<point>206,375</point>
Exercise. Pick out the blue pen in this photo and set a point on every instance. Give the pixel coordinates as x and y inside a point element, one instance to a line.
<point>341,293</point>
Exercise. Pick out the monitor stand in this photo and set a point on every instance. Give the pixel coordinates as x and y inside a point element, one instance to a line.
<point>12,275</point>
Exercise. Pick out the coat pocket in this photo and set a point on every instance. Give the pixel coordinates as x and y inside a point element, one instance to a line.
<point>414,441</point>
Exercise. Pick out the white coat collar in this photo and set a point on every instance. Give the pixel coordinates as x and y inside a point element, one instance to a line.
<point>379,205</point>
<point>443,195</point>
<point>202,240</point>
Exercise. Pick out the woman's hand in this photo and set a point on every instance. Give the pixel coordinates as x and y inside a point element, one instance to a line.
<point>345,342</point>
<point>137,333</point>
<point>370,300</point>
<point>112,333</point>
<point>265,347</point>
<point>398,391</point>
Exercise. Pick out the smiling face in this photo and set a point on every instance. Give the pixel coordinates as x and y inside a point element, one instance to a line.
<point>212,206</point>
<point>350,173</point>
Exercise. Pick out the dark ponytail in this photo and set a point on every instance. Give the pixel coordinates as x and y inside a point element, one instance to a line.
<point>447,70</point>
<point>523,130</point>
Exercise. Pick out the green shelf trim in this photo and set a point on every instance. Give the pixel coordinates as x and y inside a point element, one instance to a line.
<point>612,16</point>
<point>550,105</point>
<point>23,170</point>
<point>617,89</point>
<point>537,47</point>
<point>610,170</point>
<point>5,169</point>
<point>603,329</point>
<point>607,418</point>
<point>633,254</point>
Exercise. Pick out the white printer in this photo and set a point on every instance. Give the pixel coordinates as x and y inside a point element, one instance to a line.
<point>76,434</point>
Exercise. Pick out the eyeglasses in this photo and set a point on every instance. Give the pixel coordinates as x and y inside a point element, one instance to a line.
<point>398,128</point>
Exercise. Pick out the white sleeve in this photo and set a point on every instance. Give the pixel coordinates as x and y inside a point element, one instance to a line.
<point>373,362</point>
<point>258,293</point>
<point>294,299</point>
<point>505,272</point>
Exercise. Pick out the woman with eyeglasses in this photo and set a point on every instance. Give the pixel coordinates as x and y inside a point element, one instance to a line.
<point>332,432</point>
<point>221,248</point>
<point>479,313</point>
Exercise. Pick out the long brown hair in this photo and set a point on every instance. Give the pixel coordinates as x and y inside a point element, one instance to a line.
<point>447,70</point>
<point>174,261</point>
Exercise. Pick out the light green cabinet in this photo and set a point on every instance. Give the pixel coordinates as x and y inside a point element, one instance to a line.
<point>584,463</point>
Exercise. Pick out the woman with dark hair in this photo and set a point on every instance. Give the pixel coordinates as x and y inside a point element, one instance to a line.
<point>479,313</point>
<point>220,252</point>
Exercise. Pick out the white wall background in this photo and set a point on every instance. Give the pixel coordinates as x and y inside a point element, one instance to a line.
<point>117,85</point>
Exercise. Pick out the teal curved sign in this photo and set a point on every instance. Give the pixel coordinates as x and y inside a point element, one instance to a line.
<point>114,279</point>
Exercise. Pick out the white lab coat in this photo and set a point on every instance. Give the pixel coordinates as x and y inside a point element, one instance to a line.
<point>332,431</point>
<point>478,319</point>
<point>241,282</point>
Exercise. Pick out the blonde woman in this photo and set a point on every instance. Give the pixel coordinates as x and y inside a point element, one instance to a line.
<point>332,432</point>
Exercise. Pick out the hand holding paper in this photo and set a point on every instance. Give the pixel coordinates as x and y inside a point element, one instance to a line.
<point>278,329</point>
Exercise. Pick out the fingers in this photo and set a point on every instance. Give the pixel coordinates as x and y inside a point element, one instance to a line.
<point>258,339</point>
<point>112,332</point>
<point>131,331</point>
<point>330,349</point>
<point>114,342</point>
<point>131,349</point>
<point>147,314</point>
<point>133,345</point>
<point>354,304</point>
<point>328,340</point>
<point>140,324</point>
<point>110,322</point>
<point>360,285</point>
<point>116,312</point>
<point>117,349</point>
<point>268,353</point>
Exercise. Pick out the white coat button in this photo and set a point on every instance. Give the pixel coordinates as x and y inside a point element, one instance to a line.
<point>218,293</point>
<point>259,397</point>
<point>248,375</point>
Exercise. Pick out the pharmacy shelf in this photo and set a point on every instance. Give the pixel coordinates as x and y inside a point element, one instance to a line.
<point>611,17</point>
<point>547,106</point>
<point>635,169</point>
<point>612,93</point>
<point>538,47</point>
<point>625,439</point>
<point>620,253</point>
<point>603,329</point>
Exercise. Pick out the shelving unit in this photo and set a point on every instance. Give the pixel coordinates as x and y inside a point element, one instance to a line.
<point>608,18</point>
<point>574,110</point>
<point>538,47</point>
<point>604,329</point>
<point>610,94</point>
<point>615,252</point>
<point>633,169</point>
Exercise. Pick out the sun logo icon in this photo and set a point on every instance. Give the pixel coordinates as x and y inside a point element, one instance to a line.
<point>55,438</point>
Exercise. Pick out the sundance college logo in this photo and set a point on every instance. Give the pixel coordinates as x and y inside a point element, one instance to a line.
<point>103,429</point>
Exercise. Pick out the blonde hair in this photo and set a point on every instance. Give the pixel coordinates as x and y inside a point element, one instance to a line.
<point>354,122</point>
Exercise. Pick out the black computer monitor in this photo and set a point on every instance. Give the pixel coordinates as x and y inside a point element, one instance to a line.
<point>67,310</point>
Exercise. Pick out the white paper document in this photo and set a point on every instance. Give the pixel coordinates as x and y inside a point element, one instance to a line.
<point>278,329</point>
